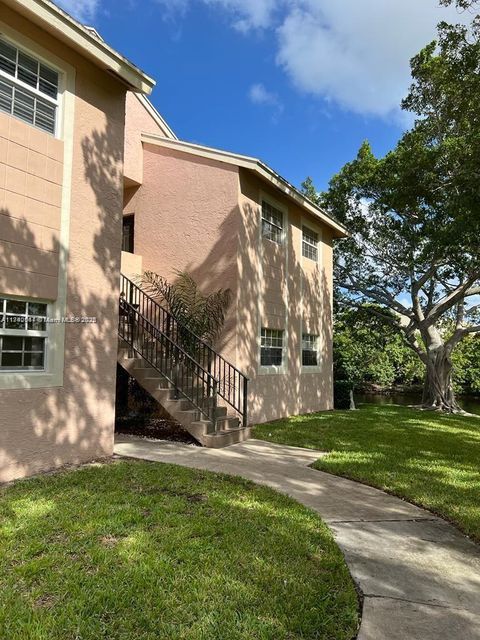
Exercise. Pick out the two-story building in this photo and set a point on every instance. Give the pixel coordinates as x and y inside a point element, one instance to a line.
<point>88,165</point>
<point>232,222</point>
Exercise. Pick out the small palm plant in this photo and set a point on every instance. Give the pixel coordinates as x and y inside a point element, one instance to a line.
<point>202,314</point>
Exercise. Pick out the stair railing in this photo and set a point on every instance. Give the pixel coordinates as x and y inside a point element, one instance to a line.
<point>177,345</point>
<point>188,378</point>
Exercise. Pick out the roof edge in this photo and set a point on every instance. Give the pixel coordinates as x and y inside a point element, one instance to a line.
<point>156,115</point>
<point>53,19</point>
<point>255,165</point>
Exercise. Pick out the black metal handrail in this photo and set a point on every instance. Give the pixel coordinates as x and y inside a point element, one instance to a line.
<point>189,379</point>
<point>229,382</point>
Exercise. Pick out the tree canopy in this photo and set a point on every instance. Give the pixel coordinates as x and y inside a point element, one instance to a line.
<point>414,215</point>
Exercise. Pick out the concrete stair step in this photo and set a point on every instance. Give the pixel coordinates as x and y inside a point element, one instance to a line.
<point>228,423</point>
<point>222,439</point>
<point>227,430</point>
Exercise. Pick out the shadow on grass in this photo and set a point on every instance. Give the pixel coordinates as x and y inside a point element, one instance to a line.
<point>427,458</point>
<point>142,550</point>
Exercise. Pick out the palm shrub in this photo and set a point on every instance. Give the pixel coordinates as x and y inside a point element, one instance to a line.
<point>195,312</point>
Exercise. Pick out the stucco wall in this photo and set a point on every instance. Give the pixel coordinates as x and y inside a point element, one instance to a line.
<point>31,171</point>
<point>282,290</point>
<point>46,427</point>
<point>138,120</point>
<point>204,216</point>
<point>187,218</point>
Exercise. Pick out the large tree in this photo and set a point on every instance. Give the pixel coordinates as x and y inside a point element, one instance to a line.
<point>414,215</point>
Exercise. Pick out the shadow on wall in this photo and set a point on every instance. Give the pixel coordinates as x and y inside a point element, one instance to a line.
<point>271,396</point>
<point>48,427</point>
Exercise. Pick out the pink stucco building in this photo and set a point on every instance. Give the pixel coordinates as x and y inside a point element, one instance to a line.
<point>86,164</point>
<point>231,221</point>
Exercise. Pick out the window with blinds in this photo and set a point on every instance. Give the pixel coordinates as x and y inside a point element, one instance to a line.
<point>28,88</point>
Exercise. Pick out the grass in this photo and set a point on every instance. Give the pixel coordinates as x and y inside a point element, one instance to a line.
<point>430,459</point>
<point>142,551</point>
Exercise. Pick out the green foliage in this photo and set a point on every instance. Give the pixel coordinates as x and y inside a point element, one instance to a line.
<point>202,314</point>
<point>466,363</point>
<point>461,4</point>
<point>414,218</point>
<point>369,350</point>
<point>308,189</point>
<point>341,394</point>
<point>428,458</point>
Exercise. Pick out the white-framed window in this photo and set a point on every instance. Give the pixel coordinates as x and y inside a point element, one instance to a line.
<point>23,335</point>
<point>309,244</point>
<point>271,347</point>
<point>28,88</point>
<point>309,350</point>
<point>272,222</point>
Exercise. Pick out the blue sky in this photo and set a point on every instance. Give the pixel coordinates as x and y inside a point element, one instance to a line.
<point>297,83</point>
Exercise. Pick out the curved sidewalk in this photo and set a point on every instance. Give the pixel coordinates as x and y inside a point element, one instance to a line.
<point>419,576</point>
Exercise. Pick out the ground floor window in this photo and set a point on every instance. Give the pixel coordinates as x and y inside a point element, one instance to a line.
<point>271,352</point>
<point>309,350</point>
<point>23,334</point>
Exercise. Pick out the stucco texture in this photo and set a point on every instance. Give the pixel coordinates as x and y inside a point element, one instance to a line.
<point>48,427</point>
<point>203,216</point>
<point>187,218</point>
<point>282,290</point>
<point>137,121</point>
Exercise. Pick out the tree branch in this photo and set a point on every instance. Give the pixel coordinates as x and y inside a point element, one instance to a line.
<point>449,300</point>
<point>380,296</point>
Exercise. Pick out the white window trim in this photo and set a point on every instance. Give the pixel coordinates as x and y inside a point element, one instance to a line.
<point>273,369</point>
<point>32,50</point>
<point>26,333</point>
<point>283,210</point>
<point>316,246</point>
<point>261,319</point>
<point>315,368</point>
<point>53,377</point>
<point>313,226</point>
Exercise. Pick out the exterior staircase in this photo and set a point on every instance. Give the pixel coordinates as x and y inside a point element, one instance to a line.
<point>194,384</point>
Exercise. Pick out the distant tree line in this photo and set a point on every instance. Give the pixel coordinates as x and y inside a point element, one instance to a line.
<point>369,352</point>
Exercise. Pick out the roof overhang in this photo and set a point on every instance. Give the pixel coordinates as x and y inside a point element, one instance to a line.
<point>60,24</point>
<point>258,167</point>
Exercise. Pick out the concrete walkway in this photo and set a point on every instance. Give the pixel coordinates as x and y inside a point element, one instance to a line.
<point>419,576</point>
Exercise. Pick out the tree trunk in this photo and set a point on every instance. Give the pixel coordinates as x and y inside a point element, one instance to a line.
<point>438,390</point>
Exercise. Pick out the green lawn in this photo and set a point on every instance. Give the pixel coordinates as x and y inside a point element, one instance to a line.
<point>430,459</point>
<point>137,551</point>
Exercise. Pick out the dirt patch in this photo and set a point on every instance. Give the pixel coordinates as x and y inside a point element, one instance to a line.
<point>154,427</point>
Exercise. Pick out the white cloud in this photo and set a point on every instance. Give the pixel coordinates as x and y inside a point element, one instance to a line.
<point>352,53</point>
<point>249,14</point>
<point>244,14</point>
<point>260,95</point>
<point>356,52</point>
<point>82,10</point>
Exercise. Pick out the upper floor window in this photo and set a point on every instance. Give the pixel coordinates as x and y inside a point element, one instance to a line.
<point>309,244</point>
<point>272,222</point>
<point>28,88</point>
<point>23,334</point>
